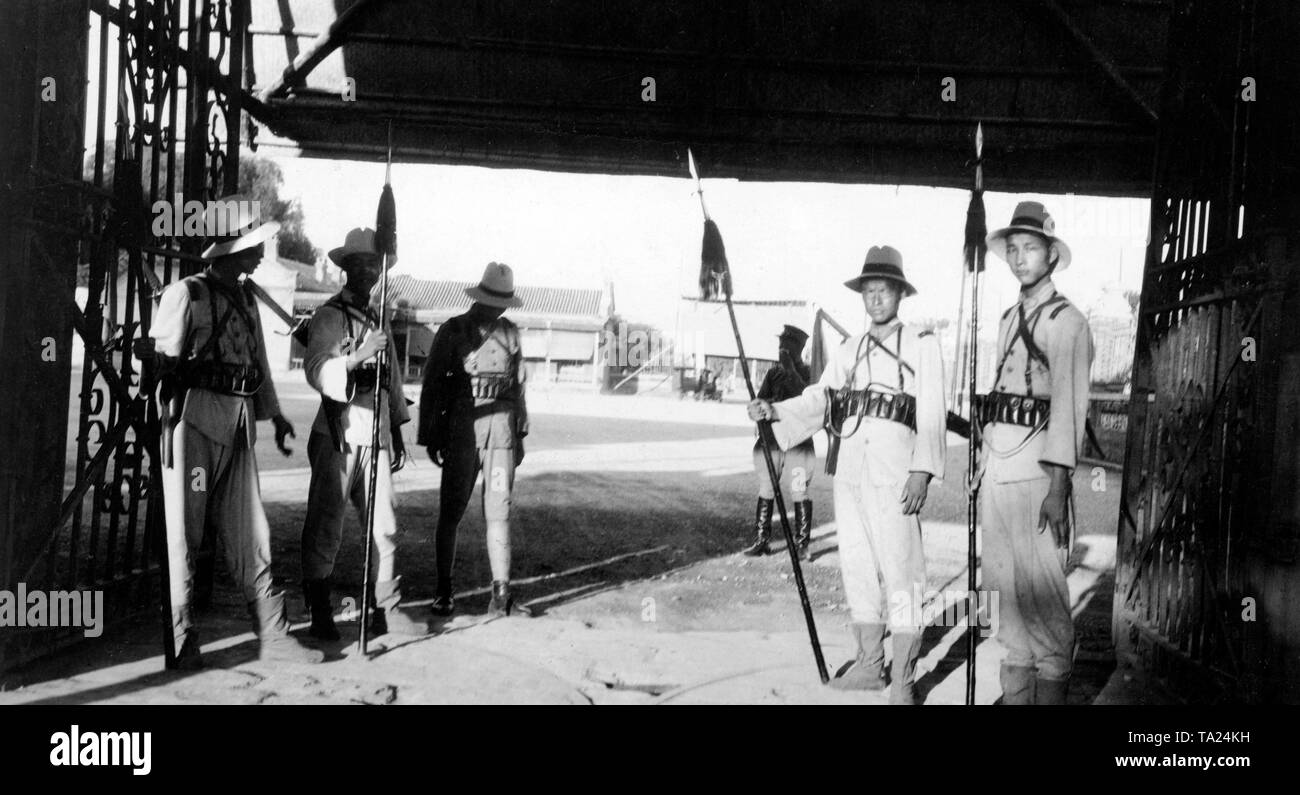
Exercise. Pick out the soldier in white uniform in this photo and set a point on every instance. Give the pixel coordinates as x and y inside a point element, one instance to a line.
<point>207,349</point>
<point>1033,424</point>
<point>344,339</point>
<point>881,398</point>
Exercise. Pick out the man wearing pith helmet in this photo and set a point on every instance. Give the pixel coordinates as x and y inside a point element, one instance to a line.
<point>1033,424</point>
<point>881,400</point>
<point>344,339</point>
<point>473,418</point>
<point>206,346</point>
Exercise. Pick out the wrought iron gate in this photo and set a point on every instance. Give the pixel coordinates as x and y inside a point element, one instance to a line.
<point>164,114</point>
<point>1197,519</point>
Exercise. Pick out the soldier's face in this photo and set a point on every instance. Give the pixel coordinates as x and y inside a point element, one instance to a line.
<point>248,259</point>
<point>1028,256</point>
<point>485,313</point>
<point>880,297</point>
<point>363,273</point>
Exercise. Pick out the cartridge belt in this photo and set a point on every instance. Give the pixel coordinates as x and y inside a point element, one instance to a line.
<point>489,386</point>
<point>1011,409</point>
<point>226,379</point>
<point>842,404</point>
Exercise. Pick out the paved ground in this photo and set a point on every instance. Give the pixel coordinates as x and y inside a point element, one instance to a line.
<point>630,512</point>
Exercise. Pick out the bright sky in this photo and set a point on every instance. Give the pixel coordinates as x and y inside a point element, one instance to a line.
<point>785,240</point>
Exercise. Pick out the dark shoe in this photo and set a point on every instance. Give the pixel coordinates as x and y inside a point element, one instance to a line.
<point>188,657</point>
<point>868,671</point>
<point>389,613</point>
<point>762,529</point>
<point>1050,691</point>
<point>902,672</point>
<point>1017,684</point>
<point>503,604</point>
<point>802,527</point>
<point>317,593</point>
<point>275,642</point>
<point>443,606</point>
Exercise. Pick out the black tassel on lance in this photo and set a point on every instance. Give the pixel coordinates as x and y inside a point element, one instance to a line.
<point>386,224</point>
<point>713,262</point>
<point>977,232</point>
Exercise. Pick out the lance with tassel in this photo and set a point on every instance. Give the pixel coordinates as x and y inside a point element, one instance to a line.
<point>386,248</point>
<point>974,250</point>
<point>715,278</point>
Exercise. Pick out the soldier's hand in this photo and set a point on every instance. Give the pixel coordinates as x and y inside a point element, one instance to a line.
<point>1053,515</point>
<point>435,455</point>
<point>398,460</point>
<point>761,410</point>
<point>914,492</point>
<point>283,428</point>
<point>144,348</point>
<point>375,342</point>
<point>519,451</point>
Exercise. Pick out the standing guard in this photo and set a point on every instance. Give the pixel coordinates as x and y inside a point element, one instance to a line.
<point>345,335</point>
<point>473,417</point>
<point>785,379</point>
<point>882,399</point>
<point>209,354</point>
<point>1032,425</point>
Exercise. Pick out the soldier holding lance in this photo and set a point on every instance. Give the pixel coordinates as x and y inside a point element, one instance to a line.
<point>344,337</point>
<point>1032,425</point>
<point>785,379</point>
<point>207,349</point>
<point>882,399</point>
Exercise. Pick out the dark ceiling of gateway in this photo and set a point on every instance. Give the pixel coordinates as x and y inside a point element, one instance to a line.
<point>810,90</point>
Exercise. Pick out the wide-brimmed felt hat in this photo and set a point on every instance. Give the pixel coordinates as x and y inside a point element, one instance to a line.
<point>883,262</point>
<point>795,334</point>
<point>1030,217</point>
<point>496,288</point>
<point>233,224</point>
<point>360,240</point>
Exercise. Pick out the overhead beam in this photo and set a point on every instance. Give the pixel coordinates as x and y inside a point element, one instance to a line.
<point>296,72</point>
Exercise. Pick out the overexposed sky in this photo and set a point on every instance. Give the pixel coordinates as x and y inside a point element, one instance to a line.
<point>785,240</point>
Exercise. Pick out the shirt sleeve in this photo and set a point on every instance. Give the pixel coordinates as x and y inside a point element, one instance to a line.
<point>803,415</point>
<point>266,403</point>
<point>325,364</point>
<point>171,325</point>
<point>433,388</point>
<point>930,451</point>
<point>1069,357</point>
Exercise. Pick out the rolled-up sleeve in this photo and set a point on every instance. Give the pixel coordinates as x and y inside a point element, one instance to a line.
<point>1069,357</point>
<point>172,322</point>
<point>325,364</point>
<point>930,451</point>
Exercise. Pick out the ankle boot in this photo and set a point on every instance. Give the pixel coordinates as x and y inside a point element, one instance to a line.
<point>274,641</point>
<point>868,668</point>
<point>803,527</point>
<point>902,673</point>
<point>762,527</point>
<point>1050,691</point>
<point>503,604</point>
<point>394,618</point>
<point>1017,684</point>
<point>317,593</point>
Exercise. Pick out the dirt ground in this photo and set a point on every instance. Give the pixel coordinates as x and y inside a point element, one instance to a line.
<point>628,518</point>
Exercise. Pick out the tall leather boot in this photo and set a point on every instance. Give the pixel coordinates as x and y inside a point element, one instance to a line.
<point>274,641</point>
<point>1050,691</point>
<point>188,656</point>
<point>762,527</point>
<point>902,672</point>
<point>868,669</point>
<point>503,604</point>
<point>1017,684</point>
<point>317,593</point>
<point>389,614</point>
<point>802,527</point>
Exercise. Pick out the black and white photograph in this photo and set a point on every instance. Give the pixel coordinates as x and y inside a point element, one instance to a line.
<point>764,352</point>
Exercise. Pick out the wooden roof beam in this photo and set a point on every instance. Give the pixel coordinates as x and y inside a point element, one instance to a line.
<point>324,44</point>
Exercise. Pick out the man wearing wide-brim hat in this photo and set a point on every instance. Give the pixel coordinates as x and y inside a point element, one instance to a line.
<point>785,379</point>
<point>473,418</point>
<point>344,339</point>
<point>1033,423</point>
<point>881,400</point>
<point>206,345</point>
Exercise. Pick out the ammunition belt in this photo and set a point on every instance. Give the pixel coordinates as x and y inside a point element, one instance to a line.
<point>489,386</point>
<point>226,379</point>
<point>897,407</point>
<point>1010,409</point>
